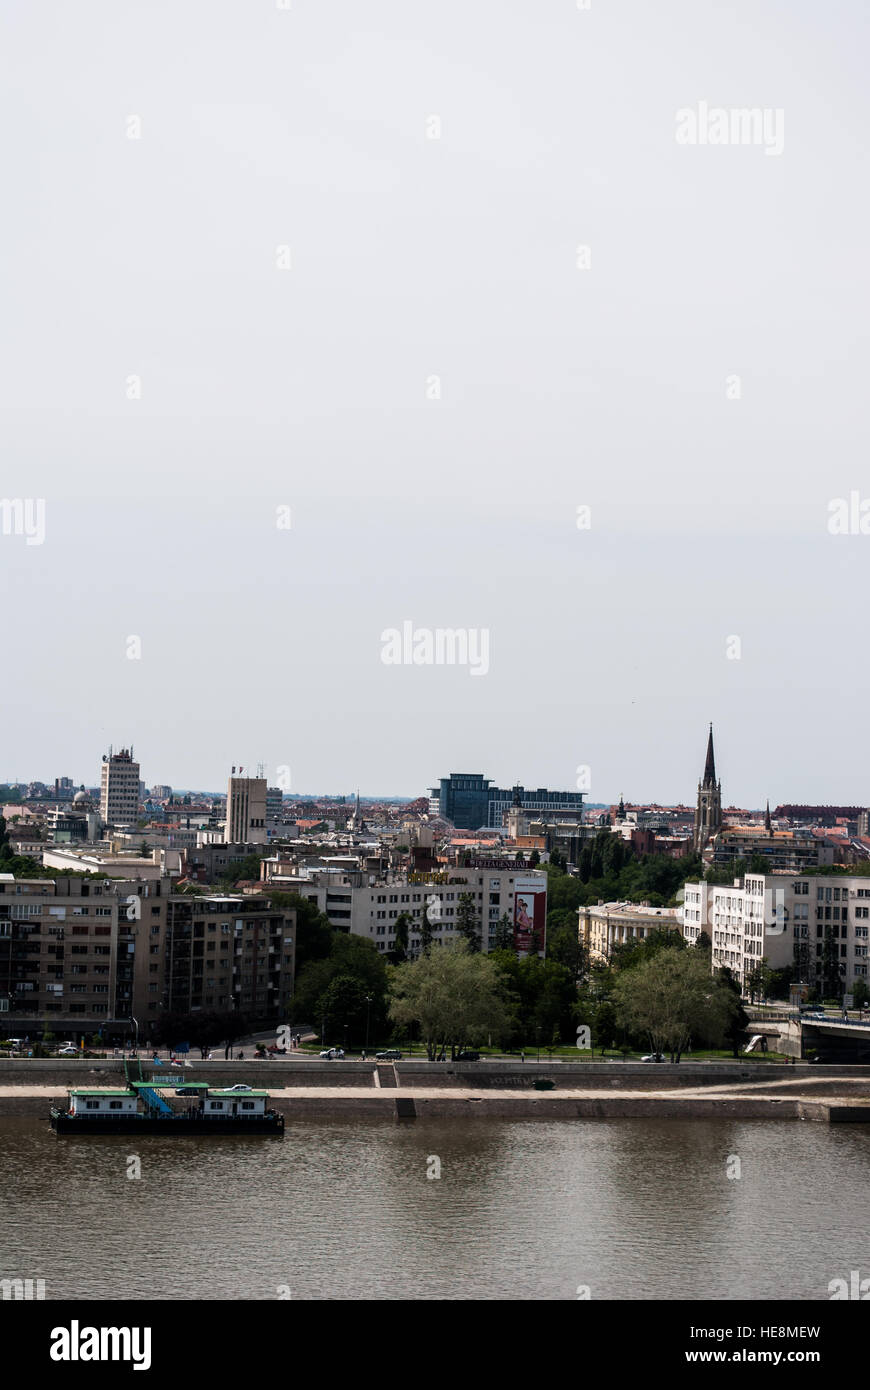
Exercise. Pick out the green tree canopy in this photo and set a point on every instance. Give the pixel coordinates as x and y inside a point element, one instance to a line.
<point>454,995</point>
<point>672,1000</point>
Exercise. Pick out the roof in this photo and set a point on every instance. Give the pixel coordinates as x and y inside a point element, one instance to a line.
<point>92,1091</point>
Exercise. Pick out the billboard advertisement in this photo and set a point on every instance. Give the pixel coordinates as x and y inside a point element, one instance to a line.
<point>530,913</point>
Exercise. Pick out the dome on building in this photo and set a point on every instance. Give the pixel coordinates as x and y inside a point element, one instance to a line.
<point>82,799</point>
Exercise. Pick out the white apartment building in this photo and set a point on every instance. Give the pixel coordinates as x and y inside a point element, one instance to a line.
<point>119,788</point>
<point>246,811</point>
<point>370,907</point>
<point>786,919</point>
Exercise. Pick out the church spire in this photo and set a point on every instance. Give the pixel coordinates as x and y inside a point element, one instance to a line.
<point>710,764</point>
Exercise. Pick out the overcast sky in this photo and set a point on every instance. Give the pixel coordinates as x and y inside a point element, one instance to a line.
<point>607,384</point>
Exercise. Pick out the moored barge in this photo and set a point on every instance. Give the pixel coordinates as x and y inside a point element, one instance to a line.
<point>140,1108</point>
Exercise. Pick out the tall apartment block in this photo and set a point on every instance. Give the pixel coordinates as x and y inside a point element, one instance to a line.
<point>119,788</point>
<point>246,811</point>
<point>814,923</point>
<point>80,956</point>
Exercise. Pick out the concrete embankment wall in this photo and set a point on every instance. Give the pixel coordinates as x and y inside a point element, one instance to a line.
<point>39,1071</point>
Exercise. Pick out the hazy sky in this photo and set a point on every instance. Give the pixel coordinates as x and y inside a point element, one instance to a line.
<point>310,388</point>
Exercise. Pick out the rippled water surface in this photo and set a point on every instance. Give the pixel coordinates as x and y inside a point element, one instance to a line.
<point>523,1209</point>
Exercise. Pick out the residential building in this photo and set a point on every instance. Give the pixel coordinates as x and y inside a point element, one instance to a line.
<point>83,955</point>
<point>802,921</point>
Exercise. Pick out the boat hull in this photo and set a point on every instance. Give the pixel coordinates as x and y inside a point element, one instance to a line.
<point>181,1125</point>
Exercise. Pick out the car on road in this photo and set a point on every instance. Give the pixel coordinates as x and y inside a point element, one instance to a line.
<point>468,1056</point>
<point>238,1088</point>
<point>332,1054</point>
<point>392,1054</point>
<point>653,1057</point>
<point>69,1051</point>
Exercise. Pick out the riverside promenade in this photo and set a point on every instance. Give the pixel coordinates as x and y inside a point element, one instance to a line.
<point>507,1090</point>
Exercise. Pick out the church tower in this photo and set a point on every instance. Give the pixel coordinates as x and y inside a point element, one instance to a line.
<point>708,813</point>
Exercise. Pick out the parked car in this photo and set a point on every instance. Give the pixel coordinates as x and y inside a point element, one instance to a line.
<point>391,1054</point>
<point>654,1057</point>
<point>68,1051</point>
<point>332,1054</point>
<point>468,1056</point>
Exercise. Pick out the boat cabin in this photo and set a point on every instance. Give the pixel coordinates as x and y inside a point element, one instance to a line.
<point>85,1103</point>
<point>216,1104</point>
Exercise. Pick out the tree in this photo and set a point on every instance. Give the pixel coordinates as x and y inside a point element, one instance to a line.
<point>759,979</point>
<point>400,946</point>
<point>426,934</point>
<point>467,924</point>
<point>534,859</point>
<point>860,993</point>
<point>605,1025</point>
<point>504,934</point>
<point>672,1000</point>
<point>565,948</point>
<point>353,956</point>
<point>455,996</point>
<point>343,1003</point>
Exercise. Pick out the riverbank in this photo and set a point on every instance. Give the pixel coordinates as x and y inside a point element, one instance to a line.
<point>829,1100</point>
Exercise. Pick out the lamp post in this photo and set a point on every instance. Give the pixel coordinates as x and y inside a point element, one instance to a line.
<point>368,1009</point>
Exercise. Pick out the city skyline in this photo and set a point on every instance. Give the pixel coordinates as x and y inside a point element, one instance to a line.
<point>549,385</point>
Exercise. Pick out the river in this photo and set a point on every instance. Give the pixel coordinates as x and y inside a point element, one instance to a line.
<point>523,1209</point>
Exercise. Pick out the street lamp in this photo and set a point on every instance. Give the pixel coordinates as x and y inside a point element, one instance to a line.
<point>368,1008</point>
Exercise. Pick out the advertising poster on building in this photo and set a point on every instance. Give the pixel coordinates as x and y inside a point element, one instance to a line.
<point>530,913</point>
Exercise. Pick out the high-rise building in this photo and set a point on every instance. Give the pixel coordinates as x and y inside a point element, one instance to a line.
<point>274,803</point>
<point>708,814</point>
<point>246,811</point>
<point>119,788</point>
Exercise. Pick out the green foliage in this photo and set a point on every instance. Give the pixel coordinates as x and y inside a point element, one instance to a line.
<point>860,993</point>
<point>672,1001</point>
<point>467,923</point>
<point>454,995</point>
<point>504,934</point>
<point>349,956</point>
<point>342,1007</point>
<point>400,947</point>
<point>564,947</point>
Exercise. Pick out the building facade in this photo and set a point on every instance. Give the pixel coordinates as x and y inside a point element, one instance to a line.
<point>616,924</point>
<point>817,924</point>
<point>246,811</point>
<point>470,802</point>
<point>119,788</point>
<point>80,955</point>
